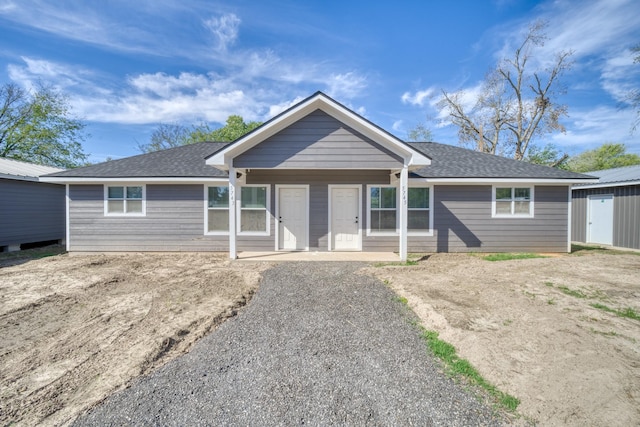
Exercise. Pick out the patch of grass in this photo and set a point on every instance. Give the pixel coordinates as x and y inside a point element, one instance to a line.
<point>551,301</point>
<point>461,367</point>
<point>549,284</point>
<point>571,292</point>
<point>407,263</point>
<point>35,253</point>
<point>606,334</point>
<point>511,256</point>
<point>401,300</point>
<point>577,249</point>
<point>628,312</point>
<point>507,322</point>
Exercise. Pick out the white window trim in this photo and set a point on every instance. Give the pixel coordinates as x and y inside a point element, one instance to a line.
<point>206,212</point>
<point>428,233</point>
<point>267,232</point>
<point>127,214</point>
<point>368,208</point>
<point>513,187</point>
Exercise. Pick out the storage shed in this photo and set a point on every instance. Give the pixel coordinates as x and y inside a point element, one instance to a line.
<point>31,211</point>
<point>608,212</point>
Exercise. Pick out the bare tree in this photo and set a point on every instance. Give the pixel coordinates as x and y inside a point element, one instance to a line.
<point>515,104</point>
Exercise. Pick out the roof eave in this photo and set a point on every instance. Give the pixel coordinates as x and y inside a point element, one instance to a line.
<point>150,179</point>
<point>606,184</point>
<point>502,180</point>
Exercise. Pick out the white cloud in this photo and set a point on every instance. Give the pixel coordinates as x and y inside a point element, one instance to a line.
<point>418,98</point>
<point>224,28</point>
<point>346,85</point>
<point>620,76</point>
<point>276,109</point>
<point>80,22</point>
<point>398,125</point>
<point>587,129</point>
<point>160,97</point>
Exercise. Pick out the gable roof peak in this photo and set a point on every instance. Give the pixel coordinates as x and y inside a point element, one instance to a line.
<point>319,100</point>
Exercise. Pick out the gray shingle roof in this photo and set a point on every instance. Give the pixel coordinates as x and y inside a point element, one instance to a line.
<point>187,161</point>
<point>449,161</point>
<point>617,175</point>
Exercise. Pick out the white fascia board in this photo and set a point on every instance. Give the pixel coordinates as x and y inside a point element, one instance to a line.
<point>605,185</point>
<point>19,177</point>
<point>157,180</point>
<point>488,181</point>
<point>412,157</point>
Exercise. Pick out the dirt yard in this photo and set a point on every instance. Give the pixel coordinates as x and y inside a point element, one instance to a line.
<point>76,328</point>
<point>528,326</point>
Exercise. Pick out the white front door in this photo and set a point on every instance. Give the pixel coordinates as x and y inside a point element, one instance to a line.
<point>600,221</point>
<point>345,219</point>
<point>293,219</point>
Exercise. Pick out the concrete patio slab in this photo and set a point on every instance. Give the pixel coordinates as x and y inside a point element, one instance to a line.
<point>319,256</point>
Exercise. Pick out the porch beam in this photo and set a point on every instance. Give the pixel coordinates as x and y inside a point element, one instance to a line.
<point>404,211</point>
<point>232,213</point>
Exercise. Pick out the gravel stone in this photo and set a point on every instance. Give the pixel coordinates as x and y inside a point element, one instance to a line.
<point>319,344</point>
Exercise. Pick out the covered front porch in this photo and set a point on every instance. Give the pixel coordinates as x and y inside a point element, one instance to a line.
<point>310,180</point>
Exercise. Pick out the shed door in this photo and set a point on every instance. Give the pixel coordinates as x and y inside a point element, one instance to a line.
<point>293,219</point>
<point>345,221</point>
<point>600,220</point>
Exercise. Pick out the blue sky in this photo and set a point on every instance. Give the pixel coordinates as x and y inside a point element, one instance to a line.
<point>129,65</point>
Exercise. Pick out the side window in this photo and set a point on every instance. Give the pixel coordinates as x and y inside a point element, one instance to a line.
<point>419,210</point>
<point>254,212</point>
<point>513,201</point>
<point>124,200</point>
<point>382,210</point>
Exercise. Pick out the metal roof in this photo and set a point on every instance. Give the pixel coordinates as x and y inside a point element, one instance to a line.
<point>616,176</point>
<point>15,169</point>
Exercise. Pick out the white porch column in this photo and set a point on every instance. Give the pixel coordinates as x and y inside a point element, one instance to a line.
<point>569,220</point>
<point>232,213</point>
<point>67,222</point>
<point>404,210</point>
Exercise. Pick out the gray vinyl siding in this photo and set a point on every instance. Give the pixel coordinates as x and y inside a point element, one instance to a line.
<point>31,212</point>
<point>318,182</point>
<point>174,221</point>
<point>626,214</point>
<point>318,141</point>
<point>463,223</point>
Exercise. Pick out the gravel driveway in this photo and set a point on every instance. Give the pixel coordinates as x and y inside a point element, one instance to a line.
<point>319,344</point>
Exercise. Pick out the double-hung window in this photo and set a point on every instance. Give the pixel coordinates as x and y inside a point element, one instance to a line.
<point>254,209</point>
<point>124,200</point>
<point>382,209</point>
<point>513,201</point>
<point>419,210</point>
<point>218,210</point>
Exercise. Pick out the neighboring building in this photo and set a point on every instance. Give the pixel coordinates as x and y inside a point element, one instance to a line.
<point>30,211</point>
<point>318,177</point>
<point>608,212</point>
